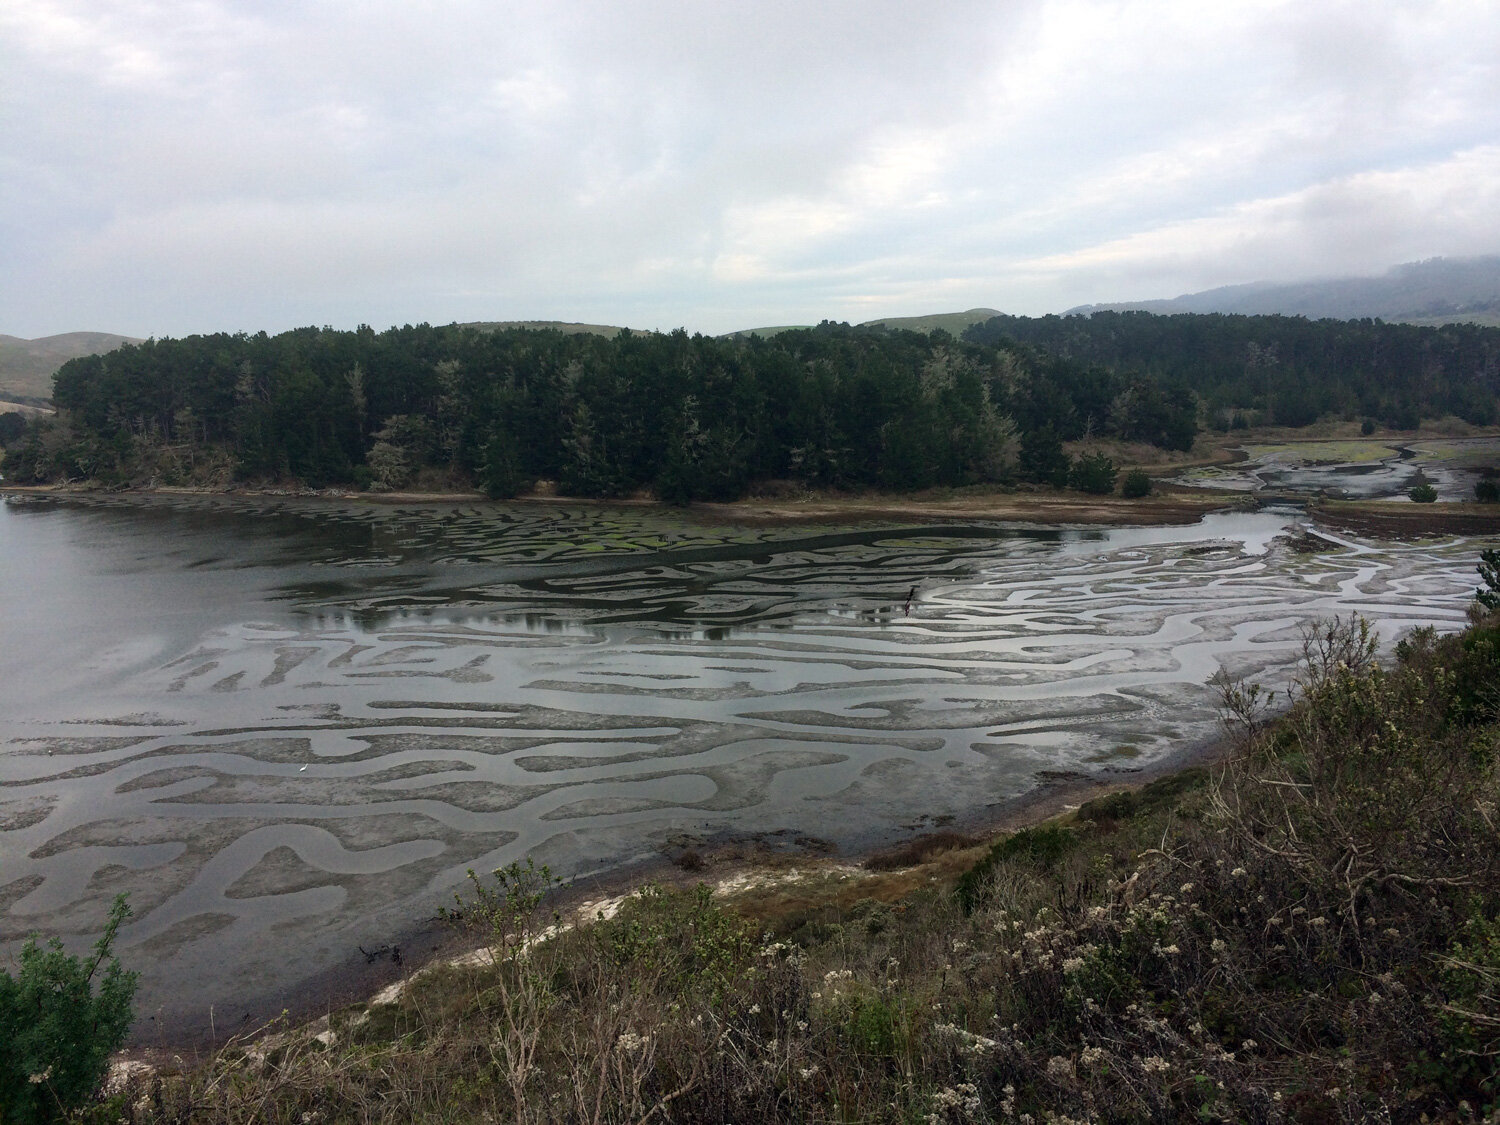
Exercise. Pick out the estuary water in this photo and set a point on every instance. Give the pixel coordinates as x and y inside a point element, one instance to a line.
<point>286,728</point>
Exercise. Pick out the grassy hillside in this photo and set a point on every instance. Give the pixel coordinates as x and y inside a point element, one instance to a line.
<point>773,330</point>
<point>568,327</point>
<point>27,366</point>
<point>954,322</point>
<point>1307,932</point>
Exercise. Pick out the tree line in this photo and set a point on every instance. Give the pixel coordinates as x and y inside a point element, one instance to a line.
<point>1284,370</point>
<point>689,417</point>
<point>699,417</point>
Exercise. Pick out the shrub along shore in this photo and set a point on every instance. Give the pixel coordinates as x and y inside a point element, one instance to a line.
<point>1307,931</point>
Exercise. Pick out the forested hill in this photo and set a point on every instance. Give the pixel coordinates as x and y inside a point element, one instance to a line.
<point>704,417</point>
<point>1285,369</point>
<point>686,416</point>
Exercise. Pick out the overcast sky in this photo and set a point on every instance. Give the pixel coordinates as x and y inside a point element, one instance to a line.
<point>207,165</point>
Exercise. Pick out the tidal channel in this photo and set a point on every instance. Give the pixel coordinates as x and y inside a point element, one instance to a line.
<point>286,728</point>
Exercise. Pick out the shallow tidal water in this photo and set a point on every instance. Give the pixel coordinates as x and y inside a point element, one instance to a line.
<point>288,728</point>
<point>1366,469</point>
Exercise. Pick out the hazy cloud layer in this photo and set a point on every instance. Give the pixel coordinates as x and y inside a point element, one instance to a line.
<point>204,164</point>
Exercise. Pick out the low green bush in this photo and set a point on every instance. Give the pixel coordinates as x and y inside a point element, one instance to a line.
<point>1093,472</point>
<point>1469,1029</point>
<point>1475,671</point>
<point>1135,485</point>
<point>1153,797</point>
<point>871,1026</point>
<point>1042,847</point>
<point>57,1030</point>
<point>1488,595</point>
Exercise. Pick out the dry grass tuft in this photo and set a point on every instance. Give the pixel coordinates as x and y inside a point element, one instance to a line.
<point>922,849</point>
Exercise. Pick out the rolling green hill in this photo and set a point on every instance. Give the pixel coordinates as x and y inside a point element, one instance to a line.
<point>771,331</point>
<point>568,327</point>
<point>954,322</point>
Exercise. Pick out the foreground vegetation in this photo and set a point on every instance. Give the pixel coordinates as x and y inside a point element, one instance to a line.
<point>61,1017</point>
<point>1308,932</point>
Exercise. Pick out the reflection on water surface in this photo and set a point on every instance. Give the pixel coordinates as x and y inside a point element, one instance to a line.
<point>292,726</point>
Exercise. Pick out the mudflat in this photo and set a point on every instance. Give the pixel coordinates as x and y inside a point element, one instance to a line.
<point>284,722</point>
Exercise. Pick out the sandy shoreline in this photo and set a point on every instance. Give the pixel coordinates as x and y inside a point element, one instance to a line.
<point>1386,520</point>
<point>1038,506</point>
<point>1167,506</point>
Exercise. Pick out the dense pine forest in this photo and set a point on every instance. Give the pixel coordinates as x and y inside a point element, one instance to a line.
<point>696,417</point>
<point>1284,370</point>
<point>685,416</point>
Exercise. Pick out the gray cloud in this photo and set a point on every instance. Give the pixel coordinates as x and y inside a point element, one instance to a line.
<point>193,166</point>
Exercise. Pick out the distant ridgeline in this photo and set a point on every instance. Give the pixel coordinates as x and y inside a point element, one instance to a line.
<point>687,416</point>
<point>703,417</point>
<point>1285,370</point>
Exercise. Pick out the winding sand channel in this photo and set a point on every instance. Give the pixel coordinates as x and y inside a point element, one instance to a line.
<point>286,729</point>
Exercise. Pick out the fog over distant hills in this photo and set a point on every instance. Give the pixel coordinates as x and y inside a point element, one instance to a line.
<point>1435,291</point>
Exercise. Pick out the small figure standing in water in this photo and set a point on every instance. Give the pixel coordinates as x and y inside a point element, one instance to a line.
<point>906,609</point>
